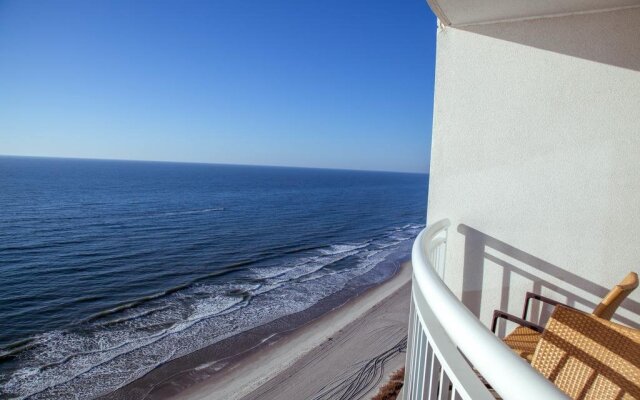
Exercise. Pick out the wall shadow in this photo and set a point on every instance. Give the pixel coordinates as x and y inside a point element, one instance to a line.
<point>475,256</point>
<point>615,41</point>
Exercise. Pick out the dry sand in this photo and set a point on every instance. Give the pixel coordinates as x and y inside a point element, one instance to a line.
<point>345,354</point>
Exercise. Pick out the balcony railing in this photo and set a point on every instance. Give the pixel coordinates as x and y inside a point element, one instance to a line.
<point>451,354</point>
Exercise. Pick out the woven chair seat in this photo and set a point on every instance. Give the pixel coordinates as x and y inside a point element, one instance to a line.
<point>589,357</point>
<point>523,341</point>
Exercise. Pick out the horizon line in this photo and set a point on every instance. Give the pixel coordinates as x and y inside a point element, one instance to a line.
<point>213,163</point>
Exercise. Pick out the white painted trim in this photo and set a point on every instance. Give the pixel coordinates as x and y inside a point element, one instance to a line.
<point>444,20</point>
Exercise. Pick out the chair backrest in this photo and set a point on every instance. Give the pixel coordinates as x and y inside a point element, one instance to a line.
<point>589,357</point>
<point>612,300</point>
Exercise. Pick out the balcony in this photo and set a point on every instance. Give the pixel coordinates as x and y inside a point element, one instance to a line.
<point>451,354</point>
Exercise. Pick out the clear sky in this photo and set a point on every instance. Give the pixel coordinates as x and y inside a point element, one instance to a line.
<point>331,83</point>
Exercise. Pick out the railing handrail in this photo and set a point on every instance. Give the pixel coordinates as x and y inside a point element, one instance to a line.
<point>507,373</point>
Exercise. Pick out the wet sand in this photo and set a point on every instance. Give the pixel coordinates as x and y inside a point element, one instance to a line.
<point>343,348</point>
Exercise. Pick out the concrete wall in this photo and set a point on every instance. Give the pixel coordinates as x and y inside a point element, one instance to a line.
<point>536,159</point>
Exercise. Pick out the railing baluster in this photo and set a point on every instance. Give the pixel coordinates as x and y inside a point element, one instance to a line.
<point>414,384</point>
<point>422,357</point>
<point>419,365</point>
<point>433,378</point>
<point>409,373</point>
<point>435,262</point>
<point>428,368</point>
<point>416,360</point>
<point>444,385</point>
<point>413,318</point>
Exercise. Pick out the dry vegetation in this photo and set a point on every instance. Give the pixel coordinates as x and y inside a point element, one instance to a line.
<point>391,389</point>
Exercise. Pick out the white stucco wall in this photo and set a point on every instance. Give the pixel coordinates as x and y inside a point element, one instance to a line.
<point>536,159</point>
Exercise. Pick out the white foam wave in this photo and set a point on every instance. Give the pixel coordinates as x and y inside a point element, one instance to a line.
<point>343,248</point>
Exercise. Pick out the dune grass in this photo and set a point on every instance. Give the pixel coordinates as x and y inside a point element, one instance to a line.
<point>391,389</point>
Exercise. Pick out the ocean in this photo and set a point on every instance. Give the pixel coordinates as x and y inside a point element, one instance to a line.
<point>111,268</point>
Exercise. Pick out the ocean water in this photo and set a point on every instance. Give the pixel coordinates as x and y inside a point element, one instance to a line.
<point>111,268</point>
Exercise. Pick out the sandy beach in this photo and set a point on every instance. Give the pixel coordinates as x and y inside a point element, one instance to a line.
<point>344,352</point>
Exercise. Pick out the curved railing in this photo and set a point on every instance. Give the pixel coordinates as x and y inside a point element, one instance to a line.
<point>451,354</point>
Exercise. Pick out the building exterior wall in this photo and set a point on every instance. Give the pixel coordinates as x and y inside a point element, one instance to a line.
<point>536,159</point>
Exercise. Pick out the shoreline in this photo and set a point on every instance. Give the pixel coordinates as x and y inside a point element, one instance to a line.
<point>236,366</point>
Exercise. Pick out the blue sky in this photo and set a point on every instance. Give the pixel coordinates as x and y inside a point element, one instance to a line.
<point>334,84</point>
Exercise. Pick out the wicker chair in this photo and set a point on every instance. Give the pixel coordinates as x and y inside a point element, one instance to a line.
<point>589,357</point>
<point>524,339</point>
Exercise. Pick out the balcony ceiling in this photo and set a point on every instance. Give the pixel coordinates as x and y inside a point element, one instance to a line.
<point>470,12</point>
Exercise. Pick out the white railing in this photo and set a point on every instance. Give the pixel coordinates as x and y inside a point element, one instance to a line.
<point>446,341</point>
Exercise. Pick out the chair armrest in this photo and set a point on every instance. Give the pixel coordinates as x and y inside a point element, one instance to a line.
<point>538,297</point>
<point>510,317</point>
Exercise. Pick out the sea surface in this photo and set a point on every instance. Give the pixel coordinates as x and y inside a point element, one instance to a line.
<point>111,268</point>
